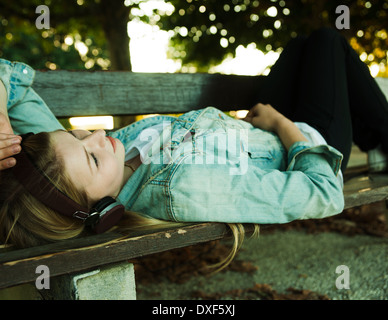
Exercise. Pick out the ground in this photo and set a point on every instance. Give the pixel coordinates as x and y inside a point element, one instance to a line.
<point>295,261</point>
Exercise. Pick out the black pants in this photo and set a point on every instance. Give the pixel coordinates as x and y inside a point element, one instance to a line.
<point>320,80</point>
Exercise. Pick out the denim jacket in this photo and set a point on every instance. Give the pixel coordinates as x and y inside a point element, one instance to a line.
<point>206,166</point>
<point>26,109</point>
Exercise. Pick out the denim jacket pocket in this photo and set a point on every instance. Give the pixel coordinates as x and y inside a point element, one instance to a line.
<point>266,159</point>
<point>260,155</point>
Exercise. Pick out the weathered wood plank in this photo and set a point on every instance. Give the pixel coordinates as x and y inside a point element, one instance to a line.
<point>79,93</point>
<point>14,272</point>
<point>367,196</point>
<point>365,189</point>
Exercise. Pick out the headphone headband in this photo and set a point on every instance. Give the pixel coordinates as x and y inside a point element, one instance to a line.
<point>40,187</point>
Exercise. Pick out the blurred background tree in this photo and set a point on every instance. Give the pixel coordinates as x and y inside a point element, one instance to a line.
<point>206,31</point>
<point>83,34</point>
<point>93,34</point>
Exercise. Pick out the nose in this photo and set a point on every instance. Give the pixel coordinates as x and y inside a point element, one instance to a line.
<point>97,137</point>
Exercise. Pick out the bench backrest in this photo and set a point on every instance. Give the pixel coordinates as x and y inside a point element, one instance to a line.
<point>82,93</point>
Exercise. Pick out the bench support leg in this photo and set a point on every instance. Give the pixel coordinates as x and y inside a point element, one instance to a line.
<point>112,282</point>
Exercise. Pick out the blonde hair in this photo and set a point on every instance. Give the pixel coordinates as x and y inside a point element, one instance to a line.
<point>26,222</point>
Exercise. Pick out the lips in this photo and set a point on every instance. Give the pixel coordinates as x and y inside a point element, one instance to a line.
<point>113,142</point>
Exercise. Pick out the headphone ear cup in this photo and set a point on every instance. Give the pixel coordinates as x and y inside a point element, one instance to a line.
<point>110,212</point>
<point>103,203</point>
<point>110,218</point>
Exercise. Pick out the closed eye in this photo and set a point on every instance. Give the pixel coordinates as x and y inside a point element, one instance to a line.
<point>95,159</point>
<point>92,154</point>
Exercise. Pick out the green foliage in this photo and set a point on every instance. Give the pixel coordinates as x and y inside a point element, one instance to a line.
<point>22,42</point>
<point>208,30</point>
<point>20,39</point>
<point>205,31</point>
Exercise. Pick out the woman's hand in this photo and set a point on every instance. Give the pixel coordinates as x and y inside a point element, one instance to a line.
<point>9,143</point>
<point>265,117</point>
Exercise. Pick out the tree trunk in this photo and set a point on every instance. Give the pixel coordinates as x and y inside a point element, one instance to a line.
<point>115,18</point>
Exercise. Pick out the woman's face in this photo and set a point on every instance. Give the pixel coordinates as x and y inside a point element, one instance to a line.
<point>93,161</point>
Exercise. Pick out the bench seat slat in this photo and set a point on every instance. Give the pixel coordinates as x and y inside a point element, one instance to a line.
<point>14,272</point>
<point>365,189</point>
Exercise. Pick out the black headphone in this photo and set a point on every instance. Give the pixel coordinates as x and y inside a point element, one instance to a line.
<point>101,217</point>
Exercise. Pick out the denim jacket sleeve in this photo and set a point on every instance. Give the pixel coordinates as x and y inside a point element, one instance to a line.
<point>26,109</point>
<point>333,157</point>
<point>307,189</point>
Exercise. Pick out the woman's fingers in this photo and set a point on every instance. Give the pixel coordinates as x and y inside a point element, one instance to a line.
<point>7,140</point>
<point>263,116</point>
<point>251,113</point>
<point>9,146</point>
<point>7,163</point>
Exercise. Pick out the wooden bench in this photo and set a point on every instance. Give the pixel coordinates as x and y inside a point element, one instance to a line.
<point>75,93</point>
